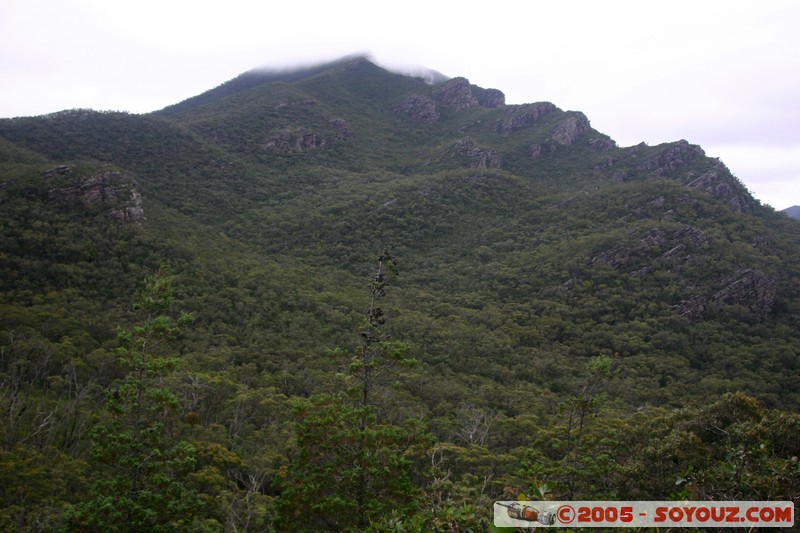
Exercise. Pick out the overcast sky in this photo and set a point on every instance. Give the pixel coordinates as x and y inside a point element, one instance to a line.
<point>721,74</point>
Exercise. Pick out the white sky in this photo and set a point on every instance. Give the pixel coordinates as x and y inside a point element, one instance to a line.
<point>721,74</point>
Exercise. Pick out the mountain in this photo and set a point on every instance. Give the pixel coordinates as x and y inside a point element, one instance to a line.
<point>793,211</point>
<point>546,275</point>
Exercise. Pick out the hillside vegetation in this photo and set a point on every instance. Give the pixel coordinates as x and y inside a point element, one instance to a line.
<point>343,299</point>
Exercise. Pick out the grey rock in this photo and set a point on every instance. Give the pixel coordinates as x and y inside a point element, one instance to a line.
<point>109,187</point>
<point>476,157</point>
<point>419,108</point>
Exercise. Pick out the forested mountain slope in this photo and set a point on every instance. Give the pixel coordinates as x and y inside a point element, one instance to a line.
<point>546,275</point>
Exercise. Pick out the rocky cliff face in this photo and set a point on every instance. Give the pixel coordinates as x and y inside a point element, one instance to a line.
<point>751,289</point>
<point>565,133</point>
<point>675,247</point>
<point>570,129</point>
<point>719,182</point>
<point>116,189</point>
<point>682,161</point>
<point>301,139</point>
<point>670,158</point>
<point>455,94</point>
<point>419,108</point>
<point>296,140</point>
<point>521,117</point>
<point>490,98</point>
<point>475,156</point>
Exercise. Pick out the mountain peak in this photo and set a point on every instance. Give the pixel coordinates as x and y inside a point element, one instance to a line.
<point>793,212</point>
<point>456,92</point>
<point>264,75</point>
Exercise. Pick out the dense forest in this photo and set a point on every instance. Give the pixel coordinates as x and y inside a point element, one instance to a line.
<point>342,299</point>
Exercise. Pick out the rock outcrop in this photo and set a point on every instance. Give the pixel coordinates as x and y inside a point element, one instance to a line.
<point>109,187</point>
<point>458,94</point>
<point>342,128</point>
<point>688,164</point>
<point>565,133</point>
<point>602,144</point>
<point>297,140</point>
<point>490,98</point>
<point>297,103</point>
<point>301,139</point>
<point>670,158</point>
<point>675,245</point>
<point>418,107</point>
<point>570,129</point>
<point>455,94</point>
<point>752,289</point>
<point>719,182</point>
<point>60,170</point>
<point>133,212</point>
<point>748,288</point>
<point>476,157</point>
<point>520,117</point>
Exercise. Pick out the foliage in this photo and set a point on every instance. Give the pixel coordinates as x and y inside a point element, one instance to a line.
<point>336,460</point>
<point>144,486</point>
<point>35,487</point>
<point>733,449</point>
